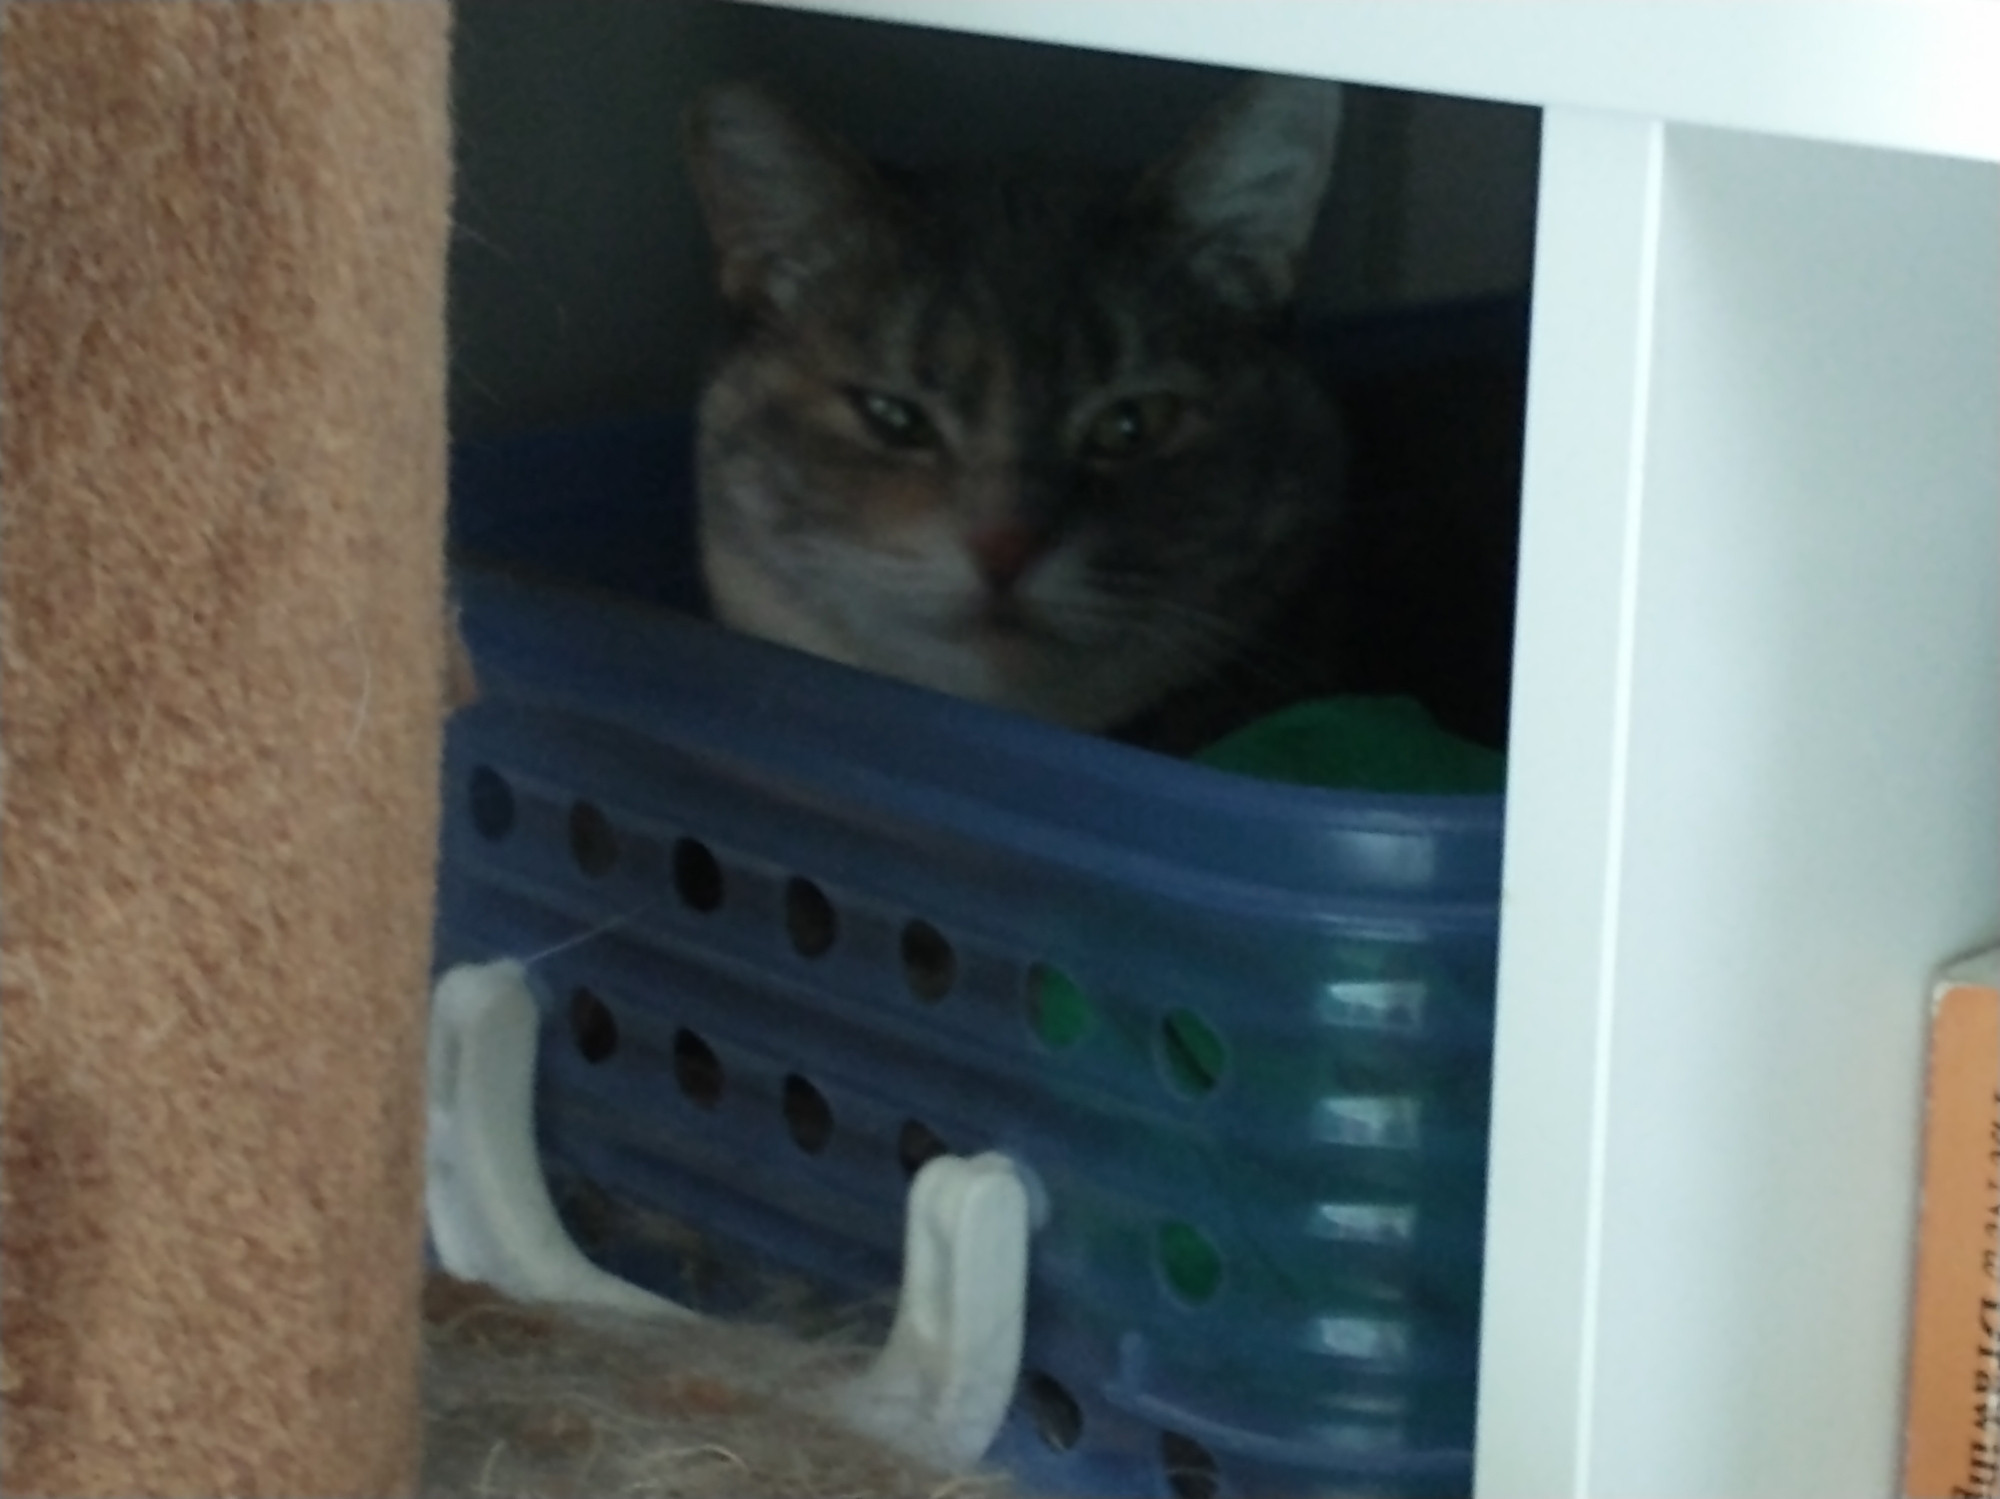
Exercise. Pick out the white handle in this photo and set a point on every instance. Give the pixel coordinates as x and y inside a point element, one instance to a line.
<point>942,1383</point>
<point>490,1215</point>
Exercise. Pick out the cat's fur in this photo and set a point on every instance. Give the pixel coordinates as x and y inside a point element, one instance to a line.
<point>1026,435</point>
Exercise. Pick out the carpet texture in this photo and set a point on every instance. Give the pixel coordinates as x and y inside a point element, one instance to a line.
<point>222,235</point>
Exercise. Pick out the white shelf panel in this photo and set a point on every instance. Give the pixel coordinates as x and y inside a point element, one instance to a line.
<point>1911,74</point>
<point>1752,801</point>
<point>1566,796</point>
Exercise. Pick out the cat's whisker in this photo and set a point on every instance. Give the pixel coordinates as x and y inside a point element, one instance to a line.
<point>1247,652</point>
<point>1158,611</point>
<point>602,928</point>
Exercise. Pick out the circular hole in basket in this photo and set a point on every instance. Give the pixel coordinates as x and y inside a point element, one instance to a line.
<point>697,875</point>
<point>1058,1418</point>
<point>809,918</point>
<point>808,1116</point>
<point>1189,1468</point>
<point>1189,1262</point>
<point>929,965</point>
<point>592,1026</point>
<point>491,802</point>
<point>592,843</point>
<point>917,1144</point>
<point>697,1069</point>
<point>1060,1013</point>
<point>585,1209</point>
<point>1191,1054</point>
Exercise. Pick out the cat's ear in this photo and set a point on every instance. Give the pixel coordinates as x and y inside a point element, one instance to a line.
<point>1240,197</point>
<point>783,201</point>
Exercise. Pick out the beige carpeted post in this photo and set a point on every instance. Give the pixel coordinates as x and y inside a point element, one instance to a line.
<point>222,233</point>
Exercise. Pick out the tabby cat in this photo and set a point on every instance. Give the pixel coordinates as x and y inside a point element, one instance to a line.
<point>1028,435</point>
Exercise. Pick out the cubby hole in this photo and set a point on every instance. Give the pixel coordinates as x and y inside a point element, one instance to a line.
<point>582,292</point>
<point>583,280</point>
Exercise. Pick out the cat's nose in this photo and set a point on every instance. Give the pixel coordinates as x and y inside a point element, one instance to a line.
<point>1003,554</point>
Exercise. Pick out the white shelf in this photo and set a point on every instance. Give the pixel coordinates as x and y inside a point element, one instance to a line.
<point>1753,796</point>
<point>1755,767</point>
<point>1916,75</point>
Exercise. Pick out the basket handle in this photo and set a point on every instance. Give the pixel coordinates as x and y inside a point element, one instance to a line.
<point>942,1383</point>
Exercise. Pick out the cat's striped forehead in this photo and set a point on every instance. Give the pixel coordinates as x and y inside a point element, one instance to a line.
<point>1014,306</point>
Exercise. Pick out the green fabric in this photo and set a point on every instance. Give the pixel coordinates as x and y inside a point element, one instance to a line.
<point>1193,1053</point>
<point>1192,1265</point>
<point>1061,1011</point>
<point>1359,744</point>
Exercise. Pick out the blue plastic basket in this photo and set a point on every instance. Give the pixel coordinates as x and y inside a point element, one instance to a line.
<point>803,927</point>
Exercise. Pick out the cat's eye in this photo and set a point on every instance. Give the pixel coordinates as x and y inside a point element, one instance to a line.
<point>1133,427</point>
<point>893,421</point>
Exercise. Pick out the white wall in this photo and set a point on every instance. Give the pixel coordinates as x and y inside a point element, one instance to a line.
<point>1751,801</point>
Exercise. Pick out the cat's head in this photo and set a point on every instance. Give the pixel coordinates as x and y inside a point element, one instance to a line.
<point>1027,436</point>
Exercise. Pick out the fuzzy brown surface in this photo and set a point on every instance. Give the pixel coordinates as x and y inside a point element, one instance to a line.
<point>541,1403</point>
<point>222,451</point>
